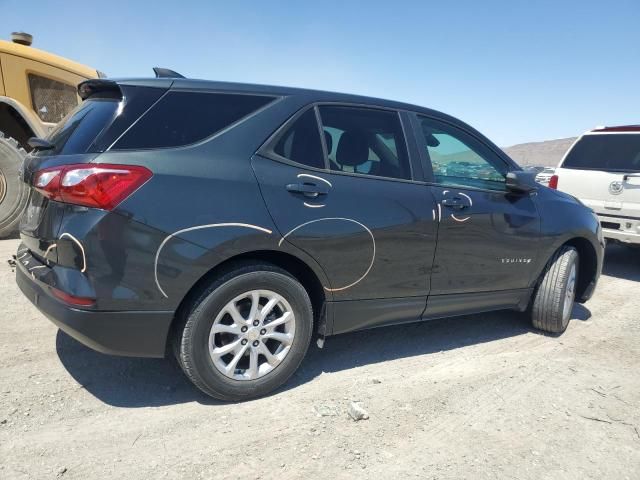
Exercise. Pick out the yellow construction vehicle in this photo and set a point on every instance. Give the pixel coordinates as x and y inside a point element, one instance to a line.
<point>37,90</point>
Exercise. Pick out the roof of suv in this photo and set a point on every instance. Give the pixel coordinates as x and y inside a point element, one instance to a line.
<point>314,95</point>
<point>308,95</point>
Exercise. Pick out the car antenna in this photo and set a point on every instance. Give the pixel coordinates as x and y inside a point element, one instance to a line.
<point>166,73</point>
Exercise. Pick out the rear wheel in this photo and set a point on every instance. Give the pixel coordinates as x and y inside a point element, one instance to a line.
<point>554,297</point>
<point>13,192</point>
<point>246,334</point>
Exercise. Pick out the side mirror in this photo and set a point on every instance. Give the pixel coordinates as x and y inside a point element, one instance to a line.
<point>519,181</point>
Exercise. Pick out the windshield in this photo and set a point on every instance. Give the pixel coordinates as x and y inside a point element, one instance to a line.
<point>610,152</point>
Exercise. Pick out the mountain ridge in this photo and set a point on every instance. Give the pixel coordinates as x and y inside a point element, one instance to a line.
<point>546,153</point>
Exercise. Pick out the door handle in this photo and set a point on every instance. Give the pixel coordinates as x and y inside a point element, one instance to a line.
<point>456,203</point>
<point>310,190</point>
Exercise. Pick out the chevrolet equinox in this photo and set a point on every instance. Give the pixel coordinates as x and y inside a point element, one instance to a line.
<point>231,223</point>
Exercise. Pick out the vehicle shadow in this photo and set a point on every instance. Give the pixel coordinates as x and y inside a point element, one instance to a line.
<point>133,382</point>
<point>622,262</point>
<point>424,338</point>
<point>124,381</point>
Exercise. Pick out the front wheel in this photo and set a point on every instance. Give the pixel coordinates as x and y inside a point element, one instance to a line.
<point>246,334</point>
<point>554,297</point>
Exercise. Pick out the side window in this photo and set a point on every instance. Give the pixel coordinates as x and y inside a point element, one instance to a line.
<point>459,159</point>
<point>182,118</point>
<point>365,140</point>
<point>51,100</point>
<point>301,142</point>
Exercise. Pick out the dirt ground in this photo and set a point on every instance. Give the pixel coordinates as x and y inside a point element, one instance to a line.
<point>481,396</point>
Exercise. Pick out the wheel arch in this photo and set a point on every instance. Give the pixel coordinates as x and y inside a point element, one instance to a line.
<point>295,266</point>
<point>587,264</point>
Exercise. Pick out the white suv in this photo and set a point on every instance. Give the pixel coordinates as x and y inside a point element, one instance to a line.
<point>545,175</point>
<point>602,169</point>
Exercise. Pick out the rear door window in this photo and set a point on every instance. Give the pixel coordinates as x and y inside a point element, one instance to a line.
<point>301,142</point>
<point>365,140</point>
<point>609,152</point>
<point>183,118</point>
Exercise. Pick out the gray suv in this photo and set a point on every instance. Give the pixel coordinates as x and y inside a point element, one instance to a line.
<point>230,223</point>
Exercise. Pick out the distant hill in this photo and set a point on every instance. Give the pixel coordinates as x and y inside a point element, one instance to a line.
<point>547,153</point>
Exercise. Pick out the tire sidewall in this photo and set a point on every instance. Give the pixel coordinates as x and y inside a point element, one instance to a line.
<point>201,319</point>
<point>547,308</point>
<point>573,262</point>
<point>15,198</point>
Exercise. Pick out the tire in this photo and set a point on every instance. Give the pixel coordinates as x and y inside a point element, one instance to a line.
<point>195,341</point>
<point>555,295</point>
<point>13,191</point>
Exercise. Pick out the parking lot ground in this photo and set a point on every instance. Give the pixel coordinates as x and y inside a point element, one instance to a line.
<point>481,396</point>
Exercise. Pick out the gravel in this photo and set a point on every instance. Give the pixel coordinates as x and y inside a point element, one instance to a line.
<point>481,396</point>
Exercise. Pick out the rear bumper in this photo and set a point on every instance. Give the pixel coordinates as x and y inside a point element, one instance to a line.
<point>622,229</point>
<point>623,237</point>
<point>621,225</point>
<point>128,333</point>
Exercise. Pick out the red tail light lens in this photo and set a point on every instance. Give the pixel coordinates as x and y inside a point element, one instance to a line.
<point>553,182</point>
<point>91,185</point>
<point>71,299</point>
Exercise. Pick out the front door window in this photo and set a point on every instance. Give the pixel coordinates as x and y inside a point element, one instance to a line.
<point>458,159</point>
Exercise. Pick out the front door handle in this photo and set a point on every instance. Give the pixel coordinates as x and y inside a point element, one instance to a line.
<point>455,202</point>
<point>310,190</point>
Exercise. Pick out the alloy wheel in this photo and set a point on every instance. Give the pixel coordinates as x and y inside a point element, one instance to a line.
<point>252,335</point>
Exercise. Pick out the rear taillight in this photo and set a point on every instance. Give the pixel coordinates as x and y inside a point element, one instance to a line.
<point>72,299</point>
<point>91,185</point>
<point>553,182</point>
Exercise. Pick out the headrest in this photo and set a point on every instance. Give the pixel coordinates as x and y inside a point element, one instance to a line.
<point>353,148</point>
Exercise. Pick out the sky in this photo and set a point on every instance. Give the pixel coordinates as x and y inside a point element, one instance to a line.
<point>516,70</point>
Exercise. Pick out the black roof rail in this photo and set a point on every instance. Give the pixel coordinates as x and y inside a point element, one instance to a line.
<point>166,73</point>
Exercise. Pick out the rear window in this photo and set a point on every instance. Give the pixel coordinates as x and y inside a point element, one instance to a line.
<point>182,118</point>
<point>81,127</point>
<point>97,122</point>
<point>147,119</point>
<point>609,152</point>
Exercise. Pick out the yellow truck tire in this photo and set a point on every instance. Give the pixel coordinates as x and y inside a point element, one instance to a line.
<point>13,191</point>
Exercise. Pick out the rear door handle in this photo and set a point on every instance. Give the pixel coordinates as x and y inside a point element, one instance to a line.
<point>310,190</point>
<point>456,203</point>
